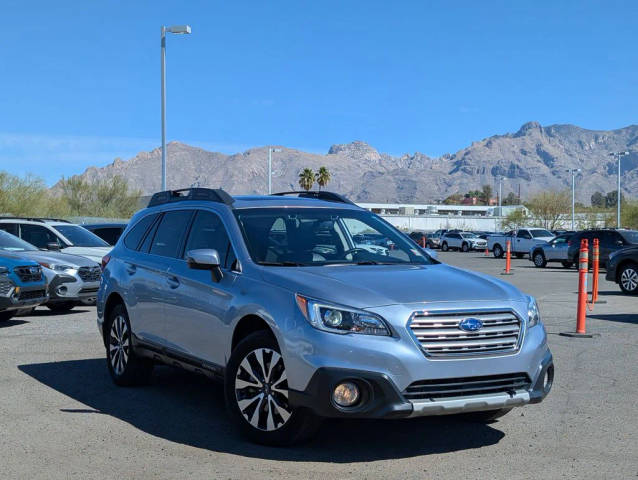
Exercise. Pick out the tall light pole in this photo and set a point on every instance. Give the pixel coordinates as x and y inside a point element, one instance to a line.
<point>500,196</point>
<point>177,29</point>
<point>618,155</point>
<point>573,172</point>
<point>270,150</point>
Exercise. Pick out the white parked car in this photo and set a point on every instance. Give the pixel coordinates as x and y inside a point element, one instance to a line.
<point>57,235</point>
<point>464,241</point>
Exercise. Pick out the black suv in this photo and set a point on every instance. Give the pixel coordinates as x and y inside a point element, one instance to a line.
<point>611,240</point>
<point>622,268</point>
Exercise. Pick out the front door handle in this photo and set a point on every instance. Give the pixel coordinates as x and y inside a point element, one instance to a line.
<point>173,282</point>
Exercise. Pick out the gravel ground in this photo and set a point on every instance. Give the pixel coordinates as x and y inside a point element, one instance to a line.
<point>61,417</point>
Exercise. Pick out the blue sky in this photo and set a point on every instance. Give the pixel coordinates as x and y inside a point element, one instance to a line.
<point>79,80</point>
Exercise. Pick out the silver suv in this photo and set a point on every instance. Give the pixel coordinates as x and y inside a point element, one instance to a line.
<point>273,295</point>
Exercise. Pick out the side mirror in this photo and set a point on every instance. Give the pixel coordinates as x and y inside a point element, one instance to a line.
<point>205,259</point>
<point>53,246</point>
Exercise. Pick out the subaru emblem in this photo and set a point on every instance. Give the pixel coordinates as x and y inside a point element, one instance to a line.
<point>471,324</point>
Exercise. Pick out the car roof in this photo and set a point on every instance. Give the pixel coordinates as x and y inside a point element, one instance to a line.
<point>35,221</point>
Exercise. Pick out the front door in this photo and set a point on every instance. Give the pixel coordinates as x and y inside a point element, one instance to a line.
<point>196,320</point>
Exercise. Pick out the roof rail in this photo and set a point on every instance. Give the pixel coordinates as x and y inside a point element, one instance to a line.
<point>34,219</point>
<point>207,194</point>
<point>319,195</point>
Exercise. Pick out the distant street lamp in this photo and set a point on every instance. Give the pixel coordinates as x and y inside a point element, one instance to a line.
<point>500,196</point>
<point>573,172</point>
<point>177,29</point>
<point>618,155</point>
<point>270,150</point>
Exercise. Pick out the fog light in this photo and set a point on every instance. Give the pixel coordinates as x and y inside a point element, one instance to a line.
<point>61,290</point>
<point>346,394</point>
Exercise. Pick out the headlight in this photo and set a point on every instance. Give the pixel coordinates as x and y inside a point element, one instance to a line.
<point>57,267</point>
<point>340,319</point>
<point>533,314</point>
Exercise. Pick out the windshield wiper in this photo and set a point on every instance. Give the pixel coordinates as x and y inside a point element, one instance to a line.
<point>282,264</point>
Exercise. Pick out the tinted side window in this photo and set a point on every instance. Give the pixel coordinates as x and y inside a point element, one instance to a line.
<point>109,235</point>
<point>134,237</point>
<point>208,232</point>
<point>11,228</point>
<point>38,235</point>
<point>170,233</point>
<point>524,234</point>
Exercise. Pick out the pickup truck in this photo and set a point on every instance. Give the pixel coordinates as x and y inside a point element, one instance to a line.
<point>522,241</point>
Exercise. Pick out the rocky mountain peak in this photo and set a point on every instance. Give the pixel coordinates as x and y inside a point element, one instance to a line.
<point>356,150</point>
<point>527,128</point>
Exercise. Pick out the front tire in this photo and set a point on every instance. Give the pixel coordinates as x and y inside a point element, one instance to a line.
<point>61,306</point>
<point>444,247</point>
<point>256,389</point>
<point>465,247</point>
<point>126,368</point>
<point>628,279</point>
<point>539,260</point>
<point>498,251</point>
<point>7,315</point>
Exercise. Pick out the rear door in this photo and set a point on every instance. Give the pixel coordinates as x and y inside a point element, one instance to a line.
<point>195,321</point>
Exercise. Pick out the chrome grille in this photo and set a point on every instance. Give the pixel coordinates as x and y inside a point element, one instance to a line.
<point>440,335</point>
<point>90,274</point>
<point>29,273</point>
<point>5,286</point>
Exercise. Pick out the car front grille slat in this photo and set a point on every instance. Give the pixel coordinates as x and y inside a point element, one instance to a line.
<point>5,287</point>
<point>440,335</point>
<point>466,386</point>
<point>90,274</point>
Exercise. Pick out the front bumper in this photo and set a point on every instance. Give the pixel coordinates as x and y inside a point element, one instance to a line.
<point>23,298</point>
<point>66,288</point>
<point>610,276</point>
<point>380,398</point>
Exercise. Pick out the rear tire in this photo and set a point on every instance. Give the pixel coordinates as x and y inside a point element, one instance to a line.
<point>498,251</point>
<point>61,306</point>
<point>257,403</point>
<point>126,368</point>
<point>7,315</point>
<point>539,260</point>
<point>628,278</point>
<point>444,247</point>
<point>487,416</point>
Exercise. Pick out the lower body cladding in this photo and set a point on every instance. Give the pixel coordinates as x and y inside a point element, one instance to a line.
<point>377,397</point>
<point>67,288</point>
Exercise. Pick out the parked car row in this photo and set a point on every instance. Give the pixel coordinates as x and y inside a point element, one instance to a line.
<point>50,262</point>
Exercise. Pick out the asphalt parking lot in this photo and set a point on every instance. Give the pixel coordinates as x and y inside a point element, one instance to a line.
<point>61,417</point>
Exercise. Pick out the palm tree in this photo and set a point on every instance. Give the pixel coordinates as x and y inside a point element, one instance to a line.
<point>322,177</point>
<point>306,179</point>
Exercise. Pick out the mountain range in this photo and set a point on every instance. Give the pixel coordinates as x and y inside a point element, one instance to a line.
<point>535,158</point>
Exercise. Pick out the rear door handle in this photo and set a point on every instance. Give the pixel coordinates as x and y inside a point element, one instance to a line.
<point>173,282</point>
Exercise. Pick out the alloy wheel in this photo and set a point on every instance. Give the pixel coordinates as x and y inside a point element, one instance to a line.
<point>261,390</point>
<point>119,345</point>
<point>538,260</point>
<point>629,279</point>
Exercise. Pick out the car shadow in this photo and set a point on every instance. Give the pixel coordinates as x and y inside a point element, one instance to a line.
<point>45,312</point>
<point>616,317</point>
<point>189,409</point>
<point>12,323</point>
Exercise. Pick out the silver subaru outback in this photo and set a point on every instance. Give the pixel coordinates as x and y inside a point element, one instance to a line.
<point>274,296</point>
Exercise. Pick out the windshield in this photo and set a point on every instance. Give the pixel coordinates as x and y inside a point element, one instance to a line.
<point>631,236</point>
<point>541,233</point>
<point>80,237</point>
<point>10,243</point>
<point>322,236</point>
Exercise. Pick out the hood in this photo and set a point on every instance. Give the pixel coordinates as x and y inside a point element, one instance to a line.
<point>10,260</point>
<point>365,286</point>
<point>92,253</point>
<point>60,258</point>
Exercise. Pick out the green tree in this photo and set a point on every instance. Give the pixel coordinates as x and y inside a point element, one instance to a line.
<point>109,197</point>
<point>515,219</point>
<point>306,179</point>
<point>611,199</point>
<point>322,177</point>
<point>28,196</point>
<point>548,208</point>
<point>486,192</point>
<point>598,200</point>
